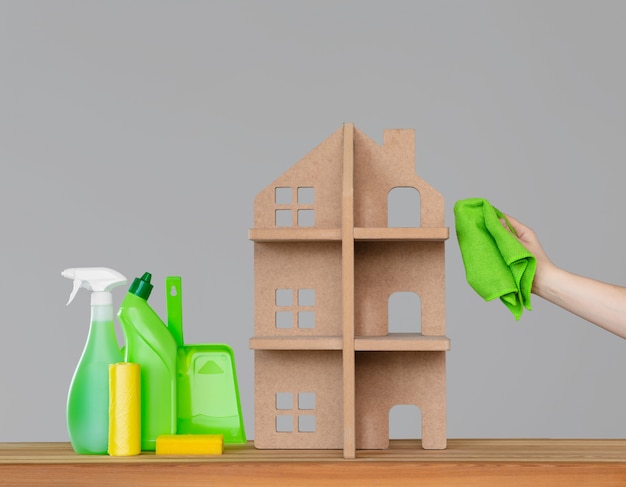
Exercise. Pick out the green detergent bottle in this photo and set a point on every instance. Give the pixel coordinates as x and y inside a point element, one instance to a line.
<point>150,344</point>
<point>88,397</point>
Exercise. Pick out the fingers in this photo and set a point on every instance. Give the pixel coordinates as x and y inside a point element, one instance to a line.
<point>520,228</point>
<point>513,221</point>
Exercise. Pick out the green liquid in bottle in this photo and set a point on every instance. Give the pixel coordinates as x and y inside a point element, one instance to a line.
<point>88,398</point>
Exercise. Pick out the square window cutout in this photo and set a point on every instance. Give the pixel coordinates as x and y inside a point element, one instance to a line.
<point>284,424</point>
<point>283,196</point>
<point>306,297</point>
<point>284,297</point>
<point>284,400</point>
<point>306,319</point>
<point>306,424</point>
<point>306,218</point>
<point>306,196</point>
<point>284,218</point>
<point>284,319</point>
<point>306,400</point>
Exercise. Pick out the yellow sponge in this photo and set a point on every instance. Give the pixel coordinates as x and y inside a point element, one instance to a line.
<point>190,445</point>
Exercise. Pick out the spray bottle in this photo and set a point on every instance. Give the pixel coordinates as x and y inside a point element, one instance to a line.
<point>150,343</point>
<point>88,397</point>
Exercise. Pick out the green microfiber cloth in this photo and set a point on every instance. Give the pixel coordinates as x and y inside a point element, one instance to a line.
<point>497,265</point>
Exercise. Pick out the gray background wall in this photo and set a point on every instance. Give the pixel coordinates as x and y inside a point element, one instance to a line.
<point>135,135</point>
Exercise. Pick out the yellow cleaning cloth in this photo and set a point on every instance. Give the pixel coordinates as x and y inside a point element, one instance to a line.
<point>190,445</point>
<point>124,409</point>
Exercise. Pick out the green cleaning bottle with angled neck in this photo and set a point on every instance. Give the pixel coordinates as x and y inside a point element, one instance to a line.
<point>150,344</point>
<point>88,397</point>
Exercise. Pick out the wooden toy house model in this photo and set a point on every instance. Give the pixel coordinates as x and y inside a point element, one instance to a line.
<point>326,265</point>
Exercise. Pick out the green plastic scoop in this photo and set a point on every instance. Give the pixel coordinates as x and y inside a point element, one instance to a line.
<point>207,388</point>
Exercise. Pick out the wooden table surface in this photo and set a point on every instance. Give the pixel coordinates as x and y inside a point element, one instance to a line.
<point>466,462</point>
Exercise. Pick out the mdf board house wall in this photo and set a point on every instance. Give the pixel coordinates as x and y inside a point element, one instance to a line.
<point>326,262</point>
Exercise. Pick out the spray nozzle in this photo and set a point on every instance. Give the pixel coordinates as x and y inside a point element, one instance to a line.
<point>95,279</point>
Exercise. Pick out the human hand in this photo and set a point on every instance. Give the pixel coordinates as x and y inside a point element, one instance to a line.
<point>597,302</point>
<point>530,240</point>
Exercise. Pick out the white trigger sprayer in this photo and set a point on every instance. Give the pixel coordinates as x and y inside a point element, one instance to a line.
<point>99,280</point>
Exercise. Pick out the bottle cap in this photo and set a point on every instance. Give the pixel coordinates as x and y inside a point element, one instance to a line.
<point>141,286</point>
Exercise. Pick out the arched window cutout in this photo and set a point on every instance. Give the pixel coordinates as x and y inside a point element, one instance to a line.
<point>405,422</point>
<point>404,313</point>
<point>403,207</point>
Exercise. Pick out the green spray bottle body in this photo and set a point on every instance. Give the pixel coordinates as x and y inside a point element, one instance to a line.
<point>150,344</point>
<point>88,396</point>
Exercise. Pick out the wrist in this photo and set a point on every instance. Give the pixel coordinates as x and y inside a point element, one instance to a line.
<point>546,276</point>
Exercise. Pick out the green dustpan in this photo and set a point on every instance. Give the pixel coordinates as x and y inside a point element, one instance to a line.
<point>207,388</point>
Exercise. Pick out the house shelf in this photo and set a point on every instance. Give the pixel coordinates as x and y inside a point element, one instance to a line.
<point>398,342</point>
<point>360,233</point>
<point>297,343</point>
<point>402,234</point>
<point>409,342</point>
<point>294,234</point>
<point>329,271</point>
